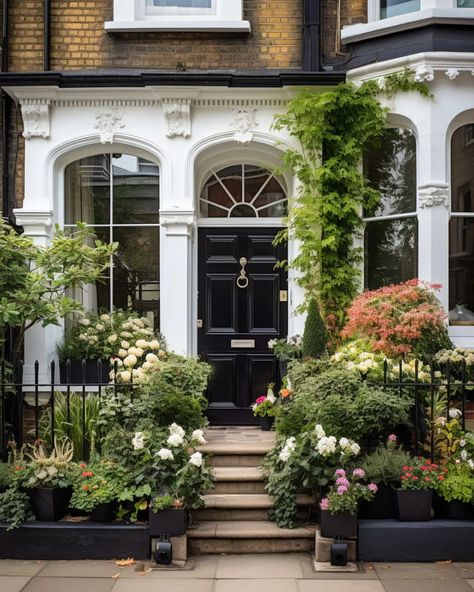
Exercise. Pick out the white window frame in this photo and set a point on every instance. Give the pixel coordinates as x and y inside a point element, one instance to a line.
<point>130,15</point>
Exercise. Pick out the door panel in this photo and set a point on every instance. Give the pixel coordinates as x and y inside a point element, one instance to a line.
<point>237,323</point>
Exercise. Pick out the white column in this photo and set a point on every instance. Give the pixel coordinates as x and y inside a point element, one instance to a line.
<point>177,234</point>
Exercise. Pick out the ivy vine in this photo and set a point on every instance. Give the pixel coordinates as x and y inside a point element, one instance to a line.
<point>333,129</point>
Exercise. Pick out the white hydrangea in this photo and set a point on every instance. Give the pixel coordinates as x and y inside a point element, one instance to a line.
<point>123,353</point>
<point>142,343</point>
<point>320,433</point>
<point>285,454</point>
<point>327,445</point>
<point>112,338</point>
<point>135,351</point>
<point>290,443</point>
<point>198,436</point>
<point>462,443</point>
<point>105,317</point>
<point>174,428</point>
<point>175,440</point>
<point>355,448</point>
<point>470,462</point>
<point>154,344</point>
<point>126,334</point>
<point>344,443</point>
<point>130,360</point>
<point>464,455</point>
<point>151,358</point>
<point>138,441</point>
<point>84,322</point>
<point>165,454</point>
<point>125,375</point>
<point>124,344</point>
<point>100,327</point>
<point>455,413</point>
<point>196,459</point>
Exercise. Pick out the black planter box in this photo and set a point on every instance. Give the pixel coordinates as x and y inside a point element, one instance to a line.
<point>171,521</point>
<point>414,505</point>
<point>103,513</point>
<point>74,540</point>
<point>92,374</point>
<point>50,505</point>
<point>342,525</point>
<point>266,423</point>
<point>383,504</point>
<point>454,510</point>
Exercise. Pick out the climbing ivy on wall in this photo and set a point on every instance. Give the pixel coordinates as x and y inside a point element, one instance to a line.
<point>334,128</point>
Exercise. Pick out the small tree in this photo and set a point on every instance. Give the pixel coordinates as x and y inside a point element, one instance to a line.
<point>314,336</point>
<point>34,280</point>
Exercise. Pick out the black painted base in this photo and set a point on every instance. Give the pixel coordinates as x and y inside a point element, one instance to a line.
<point>82,540</point>
<point>437,540</point>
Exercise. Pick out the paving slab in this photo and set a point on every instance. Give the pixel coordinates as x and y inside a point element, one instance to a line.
<point>466,570</point>
<point>416,571</point>
<point>471,583</point>
<point>309,573</point>
<point>152,585</point>
<point>330,585</point>
<point>259,567</point>
<point>426,586</point>
<point>12,567</point>
<point>13,583</point>
<point>81,569</point>
<point>200,568</point>
<point>280,585</point>
<point>69,585</point>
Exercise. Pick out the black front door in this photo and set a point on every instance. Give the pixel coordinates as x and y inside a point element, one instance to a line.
<point>242,305</point>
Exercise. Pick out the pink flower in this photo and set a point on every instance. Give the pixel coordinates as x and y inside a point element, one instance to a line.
<point>342,481</point>
<point>341,490</point>
<point>340,473</point>
<point>392,438</point>
<point>324,504</point>
<point>358,473</point>
<point>261,399</point>
<point>372,487</point>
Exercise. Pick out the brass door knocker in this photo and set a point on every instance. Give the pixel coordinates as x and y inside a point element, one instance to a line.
<point>242,280</point>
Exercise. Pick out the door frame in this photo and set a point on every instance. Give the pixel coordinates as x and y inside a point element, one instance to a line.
<point>295,292</point>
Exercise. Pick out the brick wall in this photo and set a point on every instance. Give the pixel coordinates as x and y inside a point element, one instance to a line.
<point>336,14</point>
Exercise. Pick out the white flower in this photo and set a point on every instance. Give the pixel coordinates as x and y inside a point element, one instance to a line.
<point>464,454</point>
<point>123,353</point>
<point>147,366</point>
<point>125,376</point>
<point>105,317</point>
<point>136,351</point>
<point>198,436</point>
<point>175,440</point>
<point>155,344</point>
<point>470,462</point>
<point>174,428</point>
<point>284,454</point>
<point>344,443</point>
<point>320,433</point>
<point>270,396</point>
<point>290,443</point>
<point>83,337</point>
<point>165,454</point>
<point>84,322</point>
<point>151,358</point>
<point>124,344</point>
<point>355,449</point>
<point>454,413</point>
<point>196,459</point>
<point>139,323</point>
<point>337,357</point>
<point>112,338</point>
<point>142,343</point>
<point>100,327</point>
<point>326,445</point>
<point>117,361</point>
<point>462,443</point>
<point>126,334</point>
<point>272,343</point>
<point>130,360</point>
<point>138,441</point>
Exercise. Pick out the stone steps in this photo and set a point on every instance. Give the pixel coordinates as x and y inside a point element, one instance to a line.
<point>236,501</point>
<point>238,480</point>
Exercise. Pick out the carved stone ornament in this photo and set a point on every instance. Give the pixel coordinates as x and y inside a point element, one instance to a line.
<point>452,73</point>
<point>108,121</point>
<point>430,196</point>
<point>35,120</point>
<point>178,117</point>
<point>244,124</point>
<point>424,74</point>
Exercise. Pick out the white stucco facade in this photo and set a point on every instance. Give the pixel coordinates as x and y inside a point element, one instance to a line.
<point>186,131</point>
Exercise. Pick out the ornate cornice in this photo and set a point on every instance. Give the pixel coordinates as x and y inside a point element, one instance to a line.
<point>178,223</point>
<point>432,195</point>
<point>178,117</point>
<point>35,115</point>
<point>108,122</point>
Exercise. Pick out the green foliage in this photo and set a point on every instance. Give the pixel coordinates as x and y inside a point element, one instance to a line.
<point>49,470</point>
<point>334,128</point>
<point>300,370</point>
<point>314,336</point>
<point>83,413</point>
<point>187,375</point>
<point>385,464</point>
<point>458,484</point>
<point>34,280</point>
<point>14,507</point>
<point>98,483</point>
<point>6,476</point>
<point>162,502</point>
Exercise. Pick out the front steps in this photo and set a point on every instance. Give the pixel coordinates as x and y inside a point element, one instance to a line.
<point>235,516</point>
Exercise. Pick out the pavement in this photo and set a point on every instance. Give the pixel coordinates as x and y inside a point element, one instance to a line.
<point>233,573</point>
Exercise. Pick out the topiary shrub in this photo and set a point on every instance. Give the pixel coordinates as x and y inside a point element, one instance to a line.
<point>315,335</point>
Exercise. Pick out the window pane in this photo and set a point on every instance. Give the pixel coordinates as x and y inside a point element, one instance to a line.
<point>461,271</point>
<point>137,271</point>
<point>170,7</point>
<point>462,169</point>
<point>394,7</point>
<point>87,191</point>
<point>465,3</point>
<point>391,249</point>
<point>102,289</point>
<point>390,167</point>
<point>135,191</point>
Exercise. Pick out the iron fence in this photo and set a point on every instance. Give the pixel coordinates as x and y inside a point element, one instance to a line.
<point>57,403</point>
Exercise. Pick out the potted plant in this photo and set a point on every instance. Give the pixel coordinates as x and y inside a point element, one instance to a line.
<point>96,488</point>
<point>456,493</point>
<point>415,496</point>
<point>339,507</point>
<point>167,515</point>
<point>49,479</point>
<point>264,408</point>
<point>384,467</point>
<point>285,350</point>
<point>88,351</point>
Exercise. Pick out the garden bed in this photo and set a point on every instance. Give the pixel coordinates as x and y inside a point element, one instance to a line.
<point>70,540</point>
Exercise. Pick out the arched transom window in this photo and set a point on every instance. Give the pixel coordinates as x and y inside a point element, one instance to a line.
<point>243,191</point>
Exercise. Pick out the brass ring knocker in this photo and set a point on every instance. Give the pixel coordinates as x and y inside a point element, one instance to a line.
<point>242,280</point>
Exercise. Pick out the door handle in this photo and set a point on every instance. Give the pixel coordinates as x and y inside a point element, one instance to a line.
<point>242,280</point>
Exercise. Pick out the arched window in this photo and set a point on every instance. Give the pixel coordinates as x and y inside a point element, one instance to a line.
<point>118,195</point>
<point>391,229</point>
<point>461,228</point>
<point>243,191</point>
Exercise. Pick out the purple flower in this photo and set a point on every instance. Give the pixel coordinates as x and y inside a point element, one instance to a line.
<point>342,481</point>
<point>392,438</point>
<point>340,473</point>
<point>372,487</point>
<point>341,490</point>
<point>324,504</point>
<point>358,473</point>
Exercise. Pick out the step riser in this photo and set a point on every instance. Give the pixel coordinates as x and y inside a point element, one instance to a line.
<point>240,546</point>
<point>226,515</point>
<point>237,460</point>
<point>238,487</point>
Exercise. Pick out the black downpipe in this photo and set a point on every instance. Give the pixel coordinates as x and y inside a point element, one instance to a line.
<point>47,36</point>
<point>311,58</point>
<point>6,110</point>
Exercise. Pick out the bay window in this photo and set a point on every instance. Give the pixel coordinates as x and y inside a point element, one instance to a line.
<point>390,8</point>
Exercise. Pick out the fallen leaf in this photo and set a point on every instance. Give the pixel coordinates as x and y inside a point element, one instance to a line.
<point>447,562</point>
<point>125,562</point>
<point>387,566</point>
<point>117,575</point>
